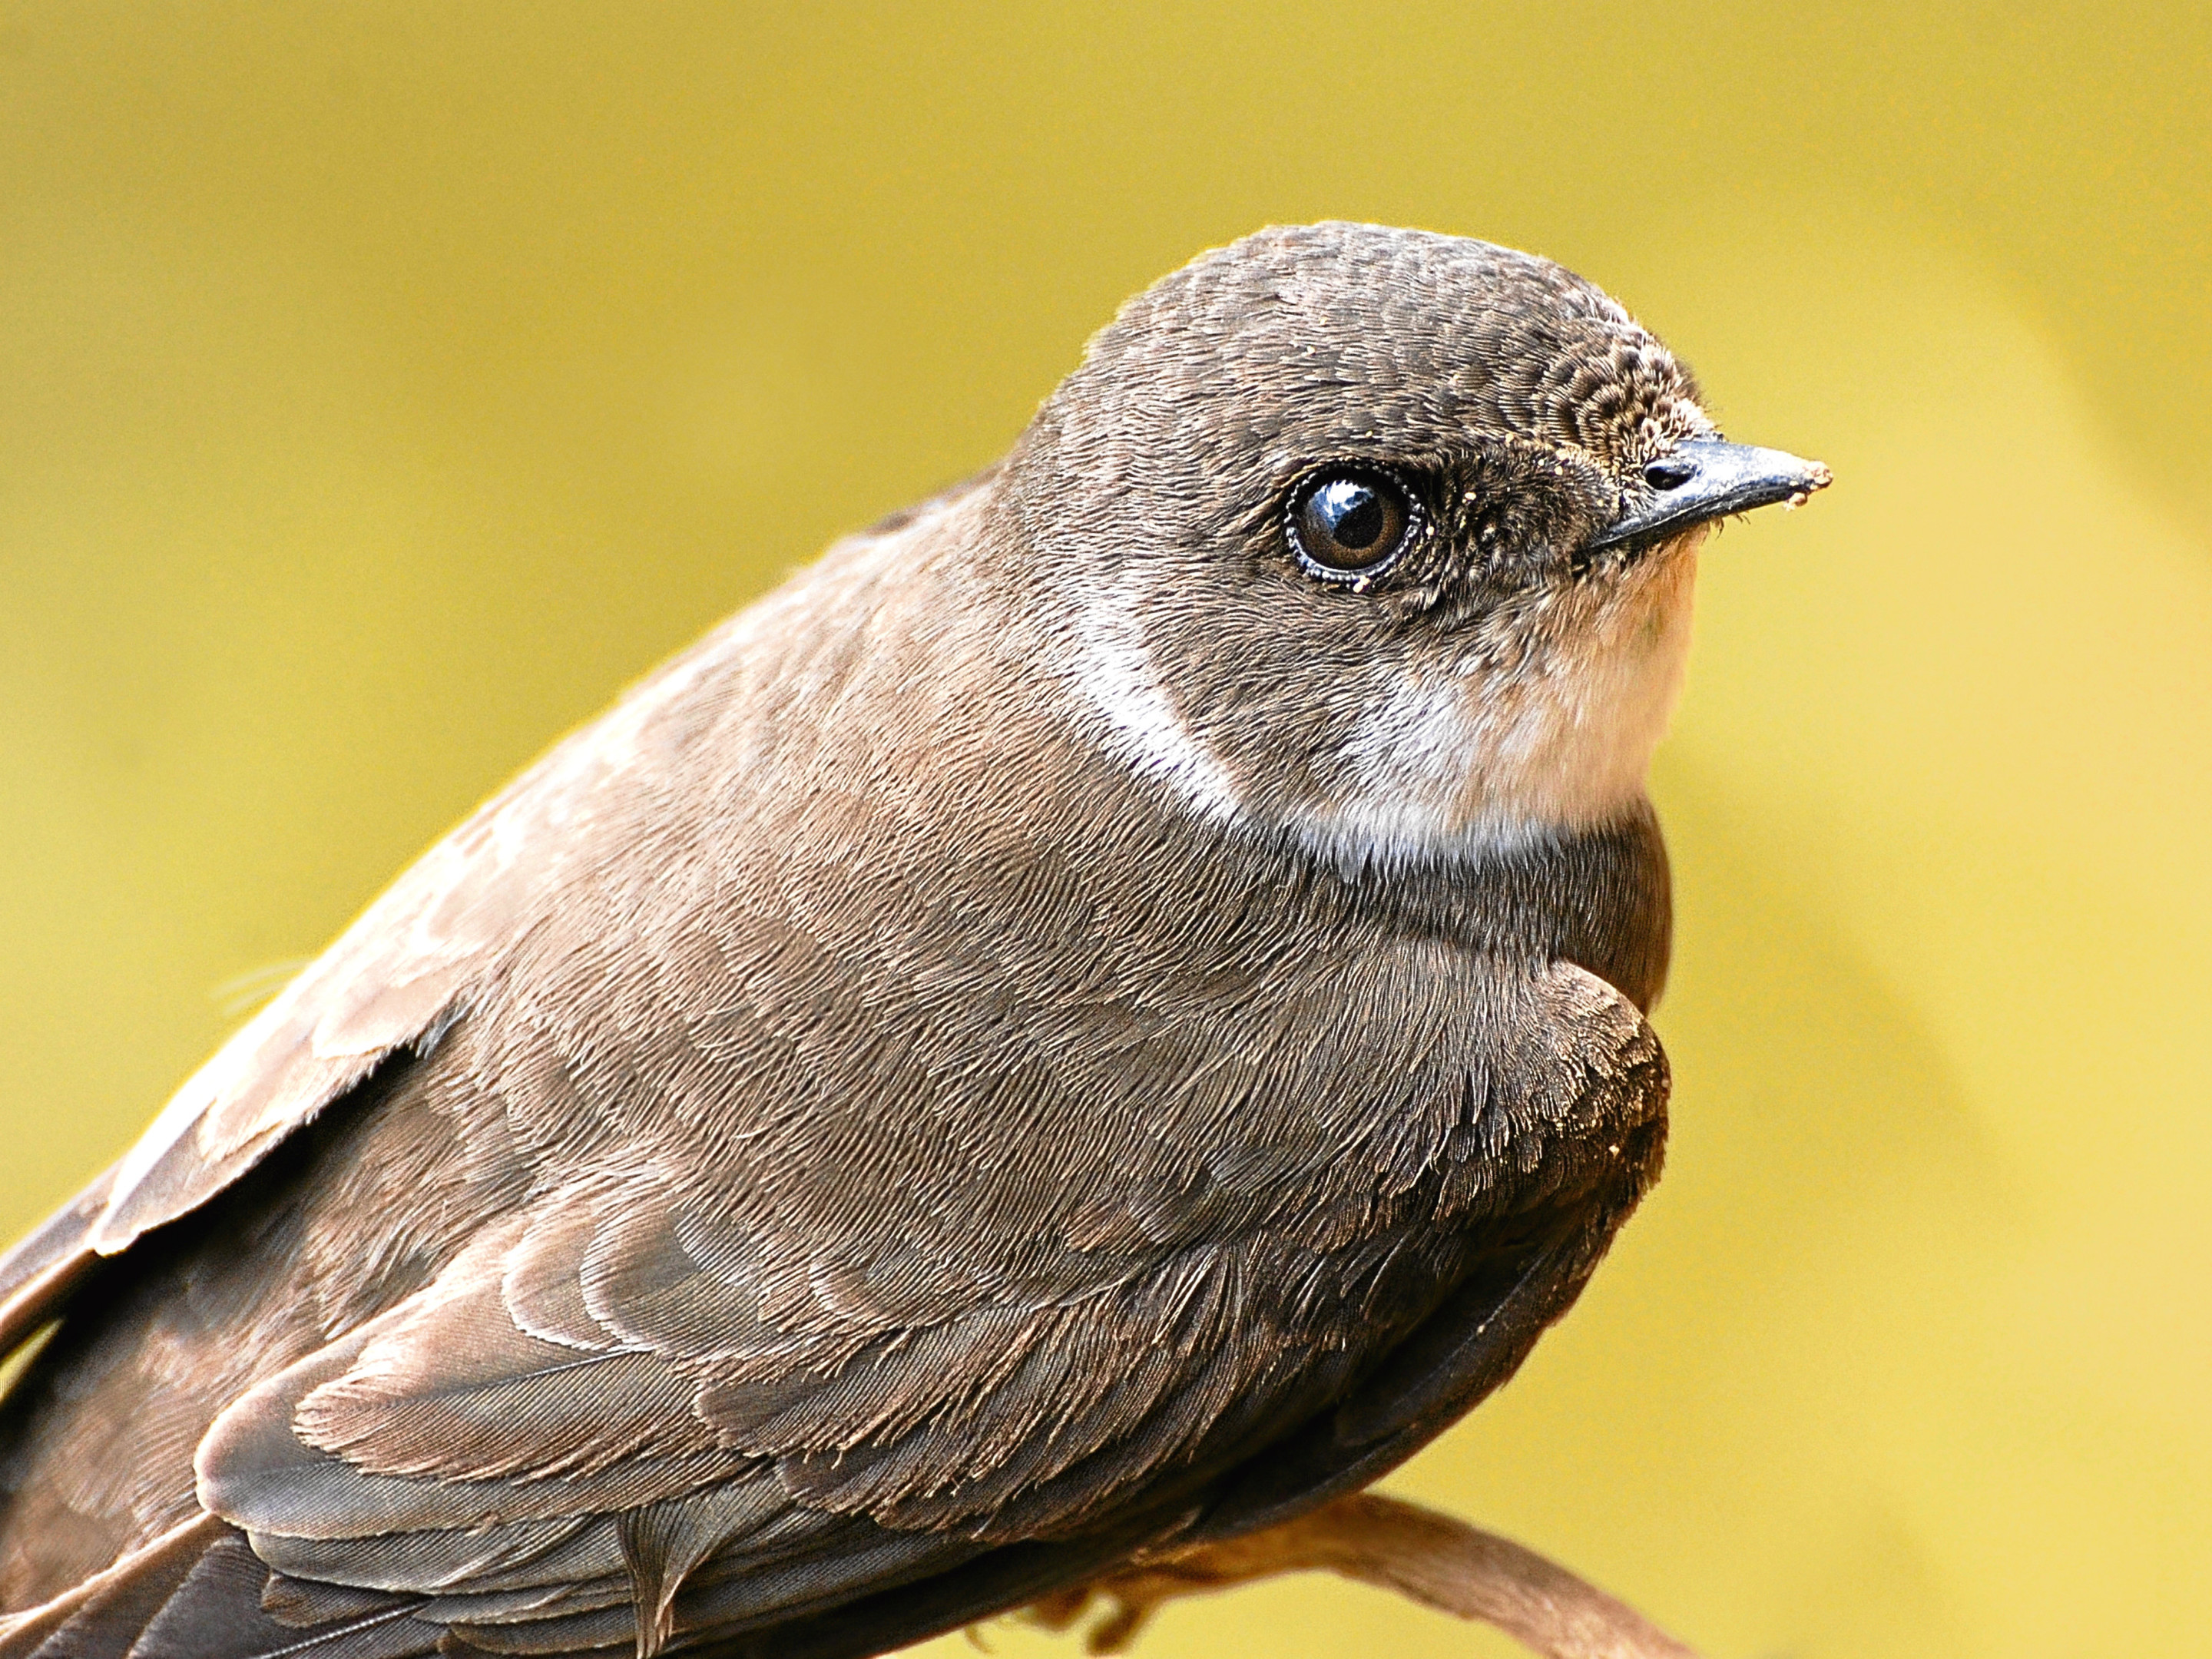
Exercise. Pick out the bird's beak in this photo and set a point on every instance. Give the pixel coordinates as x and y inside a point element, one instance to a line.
<point>1708,478</point>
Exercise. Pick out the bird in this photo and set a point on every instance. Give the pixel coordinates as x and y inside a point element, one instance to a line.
<point>1083,1028</point>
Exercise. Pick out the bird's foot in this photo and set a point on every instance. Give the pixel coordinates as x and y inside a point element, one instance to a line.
<point>1430,1558</point>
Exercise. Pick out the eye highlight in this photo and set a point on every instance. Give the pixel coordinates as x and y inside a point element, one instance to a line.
<point>1347,523</point>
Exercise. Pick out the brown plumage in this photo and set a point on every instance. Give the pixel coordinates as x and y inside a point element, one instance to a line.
<point>1076,1027</point>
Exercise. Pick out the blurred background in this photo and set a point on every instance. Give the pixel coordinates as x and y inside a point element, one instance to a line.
<point>384,385</point>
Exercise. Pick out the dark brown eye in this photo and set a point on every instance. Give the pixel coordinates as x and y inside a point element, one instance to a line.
<point>1349,522</point>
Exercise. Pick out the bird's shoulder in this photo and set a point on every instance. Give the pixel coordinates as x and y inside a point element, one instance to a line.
<point>592,812</point>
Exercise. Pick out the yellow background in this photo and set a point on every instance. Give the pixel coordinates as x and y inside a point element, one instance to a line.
<point>383,386</point>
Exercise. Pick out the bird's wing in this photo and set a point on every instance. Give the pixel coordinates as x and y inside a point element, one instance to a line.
<point>642,1392</point>
<point>645,1398</point>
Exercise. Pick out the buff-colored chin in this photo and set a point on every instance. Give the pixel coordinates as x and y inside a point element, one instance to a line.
<point>1560,741</point>
<point>1571,745</point>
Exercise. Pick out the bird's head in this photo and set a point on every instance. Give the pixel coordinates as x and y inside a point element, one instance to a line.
<point>1381,539</point>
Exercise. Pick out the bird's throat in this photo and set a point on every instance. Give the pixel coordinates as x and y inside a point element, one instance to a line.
<point>1545,730</point>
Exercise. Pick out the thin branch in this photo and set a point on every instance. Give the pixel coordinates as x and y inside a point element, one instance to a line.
<point>1418,1552</point>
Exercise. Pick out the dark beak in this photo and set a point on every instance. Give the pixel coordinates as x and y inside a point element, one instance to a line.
<point>1707,478</point>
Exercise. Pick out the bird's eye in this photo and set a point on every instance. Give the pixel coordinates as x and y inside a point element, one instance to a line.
<point>1349,522</point>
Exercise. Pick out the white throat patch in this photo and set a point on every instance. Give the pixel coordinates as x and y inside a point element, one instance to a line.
<point>1115,674</point>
